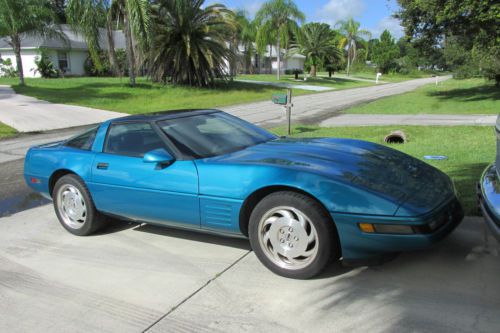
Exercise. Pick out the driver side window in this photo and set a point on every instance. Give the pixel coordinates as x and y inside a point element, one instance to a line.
<point>132,139</point>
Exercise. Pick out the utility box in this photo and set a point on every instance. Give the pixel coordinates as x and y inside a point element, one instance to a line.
<point>280,99</point>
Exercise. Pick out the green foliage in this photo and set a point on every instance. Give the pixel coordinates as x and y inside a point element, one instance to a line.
<point>489,62</point>
<point>86,17</point>
<point>469,24</point>
<point>317,42</point>
<point>6,131</point>
<point>385,52</point>
<point>277,20</point>
<point>245,34</point>
<point>44,66</point>
<point>133,16</point>
<point>59,7</point>
<point>6,68</point>
<point>189,46</point>
<point>27,18</point>
<point>408,57</point>
<point>106,69</point>
<point>294,71</point>
<point>353,39</point>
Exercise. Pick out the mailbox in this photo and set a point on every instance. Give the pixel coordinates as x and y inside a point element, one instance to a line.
<point>280,99</point>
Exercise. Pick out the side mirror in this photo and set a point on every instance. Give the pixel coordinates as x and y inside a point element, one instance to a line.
<point>159,156</point>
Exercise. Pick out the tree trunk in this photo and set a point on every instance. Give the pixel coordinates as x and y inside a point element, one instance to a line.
<point>278,57</point>
<point>236,59</point>
<point>111,52</point>
<point>270,58</point>
<point>348,60</point>
<point>16,43</point>
<point>313,71</point>
<point>330,73</point>
<point>130,51</point>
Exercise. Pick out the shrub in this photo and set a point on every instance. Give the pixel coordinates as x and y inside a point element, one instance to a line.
<point>294,71</point>
<point>6,68</point>
<point>106,70</point>
<point>44,66</point>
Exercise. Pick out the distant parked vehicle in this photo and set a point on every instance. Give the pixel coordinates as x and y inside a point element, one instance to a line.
<point>489,190</point>
<point>301,202</point>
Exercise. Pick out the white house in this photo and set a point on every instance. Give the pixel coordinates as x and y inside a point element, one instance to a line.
<point>68,56</point>
<point>288,61</point>
<point>268,62</point>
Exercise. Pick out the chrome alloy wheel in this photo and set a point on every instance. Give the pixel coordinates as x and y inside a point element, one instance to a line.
<point>71,206</point>
<point>288,238</point>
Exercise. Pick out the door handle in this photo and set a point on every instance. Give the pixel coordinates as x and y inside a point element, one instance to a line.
<point>102,166</point>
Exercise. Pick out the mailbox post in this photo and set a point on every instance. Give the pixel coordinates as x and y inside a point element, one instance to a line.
<point>286,101</point>
<point>288,107</point>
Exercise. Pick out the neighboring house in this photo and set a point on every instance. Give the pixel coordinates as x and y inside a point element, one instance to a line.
<point>268,62</point>
<point>68,56</point>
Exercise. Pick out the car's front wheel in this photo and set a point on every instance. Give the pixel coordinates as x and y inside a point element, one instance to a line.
<point>292,235</point>
<point>74,206</point>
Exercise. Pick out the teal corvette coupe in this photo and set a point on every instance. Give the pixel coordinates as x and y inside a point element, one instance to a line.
<point>301,202</point>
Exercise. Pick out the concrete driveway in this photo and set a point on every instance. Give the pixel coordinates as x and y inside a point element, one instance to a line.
<point>134,278</point>
<point>28,114</point>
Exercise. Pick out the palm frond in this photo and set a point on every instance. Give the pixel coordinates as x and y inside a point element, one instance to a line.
<point>189,44</point>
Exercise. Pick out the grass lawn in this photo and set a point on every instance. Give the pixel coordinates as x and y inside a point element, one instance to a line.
<point>114,94</point>
<point>469,149</point>
<point>390,77</point>
<point>471,96</point>
<point>6,131</point>
<point>337,83</point>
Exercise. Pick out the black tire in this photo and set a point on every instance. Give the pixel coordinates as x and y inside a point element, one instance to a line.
<point>92,221</point>
<point>328,247</point>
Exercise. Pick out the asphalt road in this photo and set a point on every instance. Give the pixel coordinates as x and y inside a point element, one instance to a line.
<point>134,278</point>
<point>312,109</point>
<point>15,196</point>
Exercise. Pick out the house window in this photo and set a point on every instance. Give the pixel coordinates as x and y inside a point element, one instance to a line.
<point>62,59</point>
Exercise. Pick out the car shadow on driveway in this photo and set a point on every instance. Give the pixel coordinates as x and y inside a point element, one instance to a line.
<point>116,225</point>
<point>449,287</point>
<point>195,236</point>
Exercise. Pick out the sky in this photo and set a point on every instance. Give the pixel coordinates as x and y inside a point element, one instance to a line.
<point>374,15</point>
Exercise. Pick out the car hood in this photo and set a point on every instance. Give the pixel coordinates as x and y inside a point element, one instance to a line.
<point>414,185</point>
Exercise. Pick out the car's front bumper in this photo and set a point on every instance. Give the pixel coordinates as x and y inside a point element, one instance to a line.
<point>489,199</point>
<point>358,245</point>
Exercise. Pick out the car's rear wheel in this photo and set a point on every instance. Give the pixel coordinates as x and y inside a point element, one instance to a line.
<point>74,206</point>
<point>292,235</point>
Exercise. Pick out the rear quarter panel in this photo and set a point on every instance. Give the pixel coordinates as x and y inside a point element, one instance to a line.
<point>42,162</point>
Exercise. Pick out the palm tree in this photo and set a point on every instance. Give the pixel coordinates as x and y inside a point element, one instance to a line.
<point>27,18</point>
<point>246,35</point>
<point>265,38</point>
<point>280,16</point>
<point>189,45</point>
<point>316,42</point>
<point>87,16</point>
<point>352,38</point>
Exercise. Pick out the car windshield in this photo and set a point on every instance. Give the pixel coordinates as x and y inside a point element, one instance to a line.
<point>212,134</point>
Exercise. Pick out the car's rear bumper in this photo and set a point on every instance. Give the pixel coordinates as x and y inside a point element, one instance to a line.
<point>489,199</point>
<point>357,245</point>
